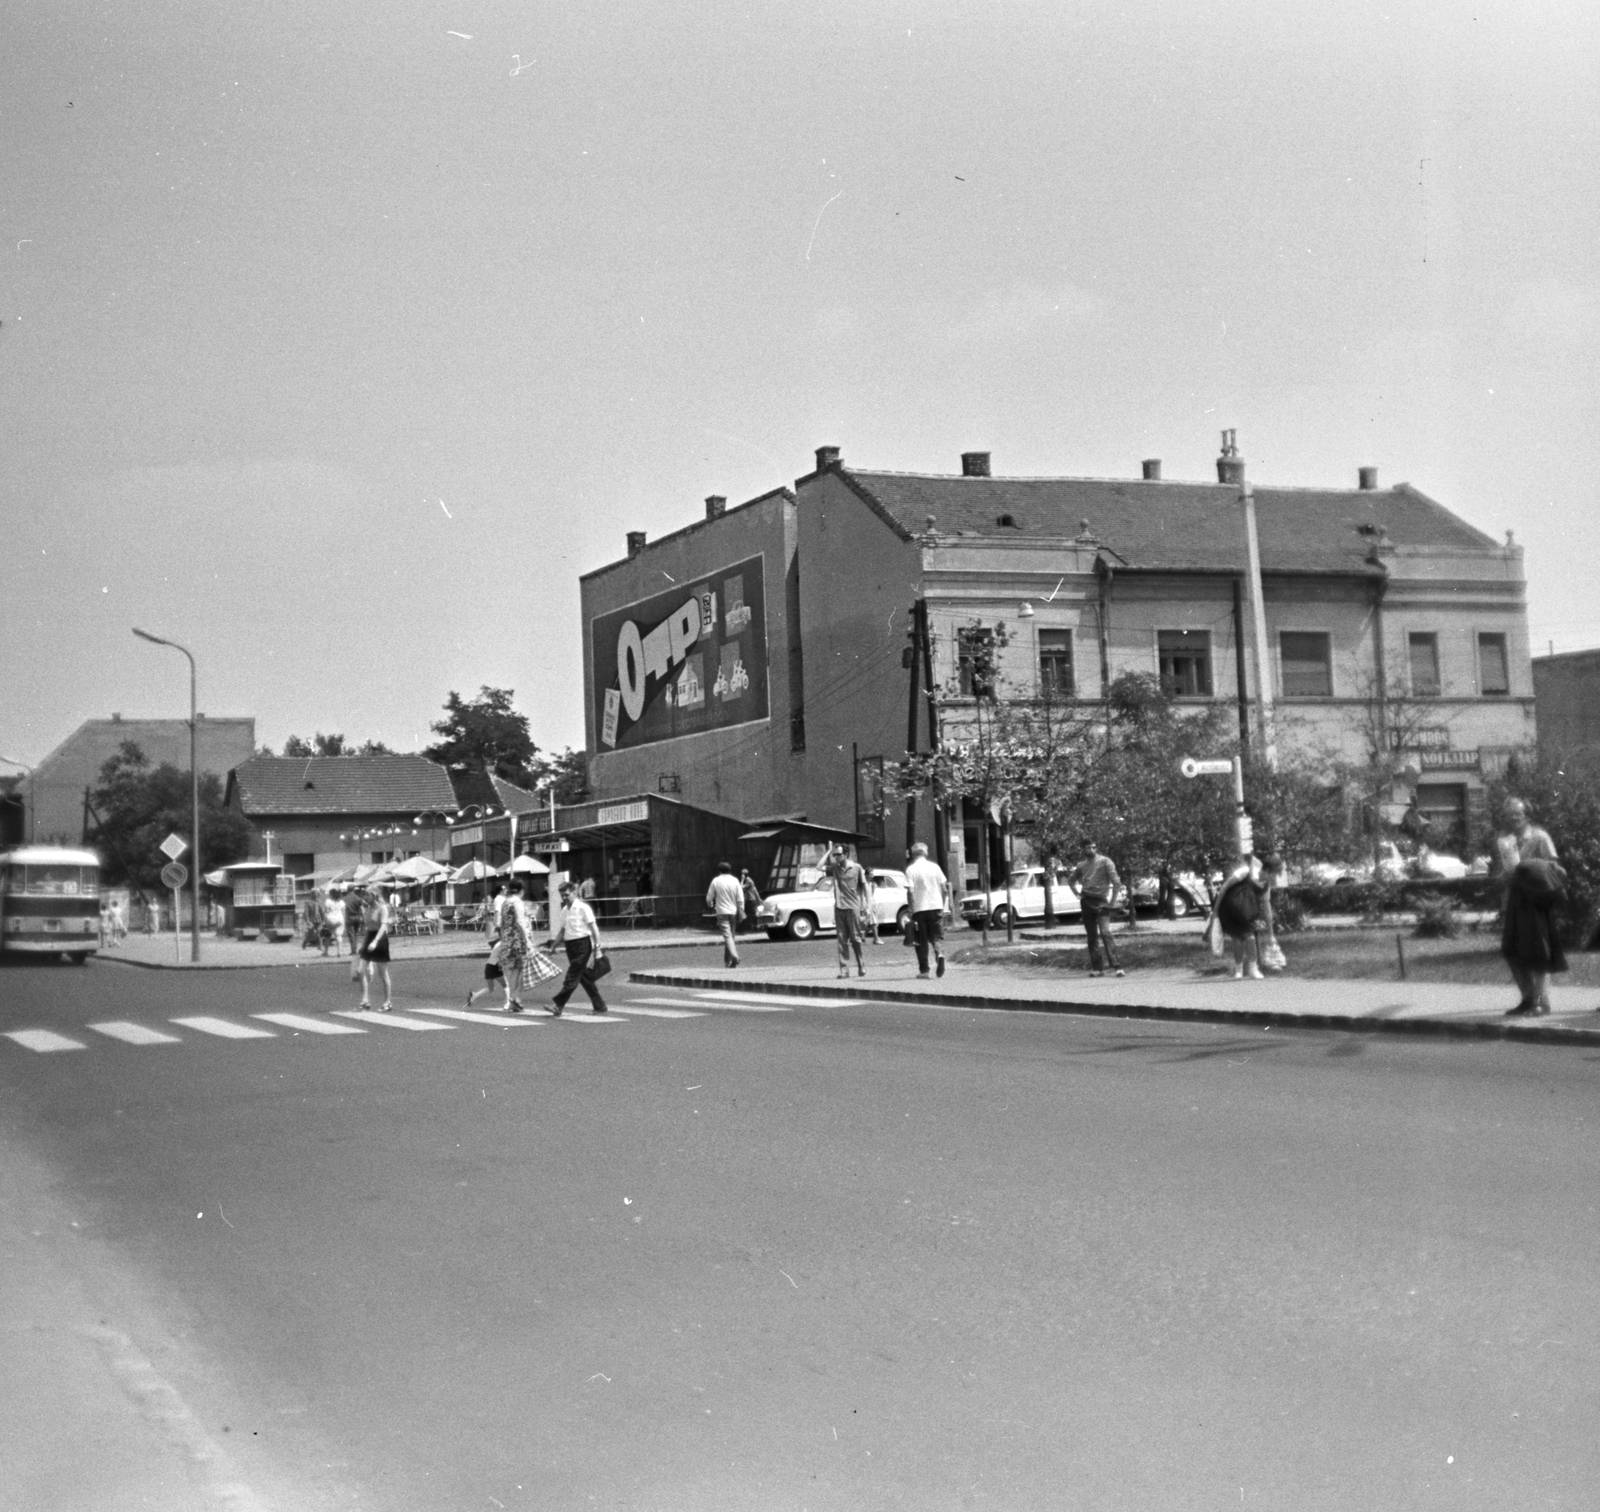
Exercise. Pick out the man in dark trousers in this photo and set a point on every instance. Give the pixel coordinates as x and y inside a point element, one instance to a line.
<point>1096,879</point>
<point>581,935</point>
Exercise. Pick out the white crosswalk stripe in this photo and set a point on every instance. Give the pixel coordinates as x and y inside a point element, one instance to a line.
<point>387,1020</point>
<point>629,1009</point>
<point>500,1020</point>
<point>768,999</point>
<point>134,1034</point>
<point>43,1040</point>
<point>224,1028</point>
<point>583,1017</point>
<point>308,1024</point>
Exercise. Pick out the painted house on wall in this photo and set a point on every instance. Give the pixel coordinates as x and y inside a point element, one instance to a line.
<point>322,814</point>
<point>1375,599</point>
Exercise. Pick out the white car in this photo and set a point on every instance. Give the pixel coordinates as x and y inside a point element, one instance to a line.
<point>808,911</point>
<point>1026,902</point>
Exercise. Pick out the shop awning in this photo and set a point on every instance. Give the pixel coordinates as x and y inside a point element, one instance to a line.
<point>798,831</point>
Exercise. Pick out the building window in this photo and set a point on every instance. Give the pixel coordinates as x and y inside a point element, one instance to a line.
<point>1493,675</point>
<point>1307,660</point>
<point>299,863</point>
<point>975,661</point>
<point>1442,815</point>
<point>1055,663</point>
<point>1425,666</point>
<point>1185,662</point>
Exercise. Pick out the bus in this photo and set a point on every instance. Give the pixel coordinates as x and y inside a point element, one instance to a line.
<point>50,901</point>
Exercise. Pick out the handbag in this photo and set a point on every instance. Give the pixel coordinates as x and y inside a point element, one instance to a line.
<point>601,966</point>
<point>538,966</point>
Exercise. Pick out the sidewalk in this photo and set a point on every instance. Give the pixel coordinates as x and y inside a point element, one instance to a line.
<point>159,952</point>
<point>1366,1007</point>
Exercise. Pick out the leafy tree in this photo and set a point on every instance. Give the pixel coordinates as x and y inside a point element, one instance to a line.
<point>485,734</point>
<point>136,806</point>
<point>330,745</point>
<point>569,771</point>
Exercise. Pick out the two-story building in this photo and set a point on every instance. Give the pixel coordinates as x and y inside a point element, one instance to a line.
<point>756,662</point>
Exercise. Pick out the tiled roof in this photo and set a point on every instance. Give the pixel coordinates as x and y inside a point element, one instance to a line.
<point>341,785</point>
<point>513,799</point>
<point>1173,526</point>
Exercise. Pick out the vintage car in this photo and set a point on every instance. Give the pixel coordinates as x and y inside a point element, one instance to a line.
<point>1026,901</point>
<point>808,910</point>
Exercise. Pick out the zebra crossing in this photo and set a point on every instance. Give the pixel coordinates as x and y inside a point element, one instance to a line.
<point>345,1022</point>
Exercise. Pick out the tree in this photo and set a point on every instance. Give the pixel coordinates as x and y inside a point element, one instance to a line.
<point>485,735</point>
<point>330,745</point>
<point>569,772</point>
<point>136,806</point>
<point>1563,797</point>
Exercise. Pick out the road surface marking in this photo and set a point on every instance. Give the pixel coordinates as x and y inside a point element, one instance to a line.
<point>135,1034</point>
<point>504,1020</point>
<point>224,1029</point>
<point>388,1020</point>
<point>310,1025</point>
<point>701,1004</point>
<point>590,1018</point>
<point>43,1040</point>
<point>627,1008</point>
<point>715,995</point>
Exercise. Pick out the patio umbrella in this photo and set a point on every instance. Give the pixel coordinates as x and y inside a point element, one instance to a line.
<point>527,866</point>
<point>473,871</point>
<point>417,869</point>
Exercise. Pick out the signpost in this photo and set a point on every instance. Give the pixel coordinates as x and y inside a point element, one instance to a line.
<point>174,874</point>
<point>1242,828</point>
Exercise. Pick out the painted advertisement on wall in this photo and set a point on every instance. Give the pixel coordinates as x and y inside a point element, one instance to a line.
<point>682,662</point>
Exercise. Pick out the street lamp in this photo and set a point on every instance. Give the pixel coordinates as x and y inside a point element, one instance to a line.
<point>194,791</point>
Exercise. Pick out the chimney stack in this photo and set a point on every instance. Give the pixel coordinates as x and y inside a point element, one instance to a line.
<point>635,542</point>
<point>1230,465</point>
<point>716,506</point>
<point>974,464</point>
<point>827,456</point>
<point>1369,478</point>
<point>1152,469</point>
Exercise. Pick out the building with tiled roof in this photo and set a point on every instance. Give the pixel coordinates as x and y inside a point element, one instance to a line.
<point>322,814</point>
<point>755,661</point>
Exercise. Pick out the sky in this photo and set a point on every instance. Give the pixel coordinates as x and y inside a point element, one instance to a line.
<point>337,342</point>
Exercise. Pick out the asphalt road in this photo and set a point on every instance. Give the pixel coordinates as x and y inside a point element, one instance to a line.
<point>822,1257</point>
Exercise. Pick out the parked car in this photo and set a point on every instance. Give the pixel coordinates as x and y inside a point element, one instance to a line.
<point>1027,899</point>
<point>808,910</point>
<point>1188,894</point>
<point>1430,863</point>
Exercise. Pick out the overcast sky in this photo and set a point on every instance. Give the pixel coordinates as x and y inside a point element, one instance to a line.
<point>338,341</point>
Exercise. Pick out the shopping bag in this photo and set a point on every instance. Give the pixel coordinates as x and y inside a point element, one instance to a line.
<point>1272,956</point>
<point>539,966</point>
<point>1213,935</point>
<point>599,967</point>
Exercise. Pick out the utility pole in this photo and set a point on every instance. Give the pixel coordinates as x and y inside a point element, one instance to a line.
<point>941,820</point>
<point>911,719</point>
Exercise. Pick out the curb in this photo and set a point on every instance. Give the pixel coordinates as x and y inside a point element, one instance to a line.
<point>1476,1029</point>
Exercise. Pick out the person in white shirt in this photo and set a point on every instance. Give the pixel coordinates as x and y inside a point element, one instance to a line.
<point>930,901</point>
<point>580,933</point>
<point>725,898</point>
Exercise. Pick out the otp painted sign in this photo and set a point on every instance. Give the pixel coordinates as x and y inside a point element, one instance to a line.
<point>685,661</point>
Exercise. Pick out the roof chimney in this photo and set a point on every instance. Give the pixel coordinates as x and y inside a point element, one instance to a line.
<point>974,464</point>
<point>1152,469</point>
<point>1369,478</point>
<point>635,542</point>
<point>716,506</point>
<point>827,456</point>
<point>1230,465</point>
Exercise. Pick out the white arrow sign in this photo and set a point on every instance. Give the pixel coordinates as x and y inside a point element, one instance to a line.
<point>1192,768</point>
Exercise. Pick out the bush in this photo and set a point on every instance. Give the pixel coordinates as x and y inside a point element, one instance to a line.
<point>1288,912</point>
<point>1564,797</point>
<point>1437,919</point>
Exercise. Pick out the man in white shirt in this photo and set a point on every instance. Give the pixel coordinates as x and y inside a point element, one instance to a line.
<point>725,898</point>
<point>930,901</point>
<point>581,935</point>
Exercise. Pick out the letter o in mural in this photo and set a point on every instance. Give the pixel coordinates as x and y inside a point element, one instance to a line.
<point>630,668</point>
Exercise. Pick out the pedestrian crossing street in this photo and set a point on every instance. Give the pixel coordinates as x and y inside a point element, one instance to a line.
<point>200,1027</point>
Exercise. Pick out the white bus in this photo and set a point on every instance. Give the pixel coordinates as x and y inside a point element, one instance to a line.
<point>50,901</point>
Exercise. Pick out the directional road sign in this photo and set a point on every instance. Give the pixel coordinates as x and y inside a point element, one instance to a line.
<point>1192,768</point>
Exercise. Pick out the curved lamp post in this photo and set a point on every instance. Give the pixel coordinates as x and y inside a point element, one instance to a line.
<point>194,791</point>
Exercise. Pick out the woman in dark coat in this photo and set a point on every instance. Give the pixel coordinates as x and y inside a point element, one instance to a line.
<point>1243,913</point>
<point>1529,939</point>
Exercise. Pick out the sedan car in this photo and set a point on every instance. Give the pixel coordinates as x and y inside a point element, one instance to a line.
<point>1026,900</point>
<point>808,910</point>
